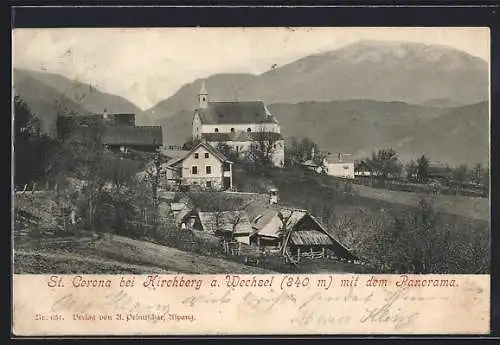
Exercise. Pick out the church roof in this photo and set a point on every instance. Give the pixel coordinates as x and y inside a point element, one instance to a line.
<point>243,136</point>
<point>250,112</point>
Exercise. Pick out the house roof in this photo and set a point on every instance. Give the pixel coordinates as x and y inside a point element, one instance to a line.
<point>241,136</point>
<point>273,226</point>
<point>270,225</point>
<point>311,237</point>
<point>226,220</point>
<point>340,158</point>
<point>250,112</point>
<point>137,135</point>
<point>208,147</point>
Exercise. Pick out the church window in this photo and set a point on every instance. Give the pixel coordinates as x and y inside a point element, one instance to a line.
<point>249,129</point>
<point>232,129</point>
<point>216,130</point>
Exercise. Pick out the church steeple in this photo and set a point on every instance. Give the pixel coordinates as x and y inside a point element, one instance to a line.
<point>203,96</point>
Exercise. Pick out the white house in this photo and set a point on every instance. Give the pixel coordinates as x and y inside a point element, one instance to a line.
<point>340,165</point>
<point>238,124</point>
<point>203,166</point>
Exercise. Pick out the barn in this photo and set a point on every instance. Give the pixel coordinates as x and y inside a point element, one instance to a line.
<point>304,234</point>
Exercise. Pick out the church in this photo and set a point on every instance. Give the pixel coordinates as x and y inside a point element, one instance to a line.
<point>239,125</point>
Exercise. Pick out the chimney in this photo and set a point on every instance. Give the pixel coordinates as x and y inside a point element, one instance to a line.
<point>273,196</point>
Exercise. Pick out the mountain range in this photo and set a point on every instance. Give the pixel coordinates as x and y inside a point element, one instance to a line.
<point>413,73</point>
<point>48,94</point>
<point>413,97</point>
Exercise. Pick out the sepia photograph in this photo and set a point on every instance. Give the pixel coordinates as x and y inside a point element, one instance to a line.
<point>251,151</point>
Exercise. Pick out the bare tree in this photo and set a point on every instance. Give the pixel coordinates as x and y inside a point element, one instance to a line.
<point>286,230</point>
<point>154,174</point>
<point>262,148</point>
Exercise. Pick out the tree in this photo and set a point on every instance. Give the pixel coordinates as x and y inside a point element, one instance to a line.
<point>422,169</point>
<point>228,151</point>
<point>190,143</point>
<point>485,181</point>
<point>262,149</point>
<point>460,176</point>
<point>300,150</point>
<point>87,151</point>
<point>385,163</point>
<point>31,147</point>
<point>476,174</point>
<point>411,170</point>
<point>154,173</point>
<point>286,230</point>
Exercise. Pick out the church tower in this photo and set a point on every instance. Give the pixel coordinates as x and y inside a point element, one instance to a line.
<point>203,97</point>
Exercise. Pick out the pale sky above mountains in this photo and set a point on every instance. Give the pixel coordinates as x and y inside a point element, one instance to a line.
<point>148,65</point>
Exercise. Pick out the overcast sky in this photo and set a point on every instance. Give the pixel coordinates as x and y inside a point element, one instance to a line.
<point>148,65</point>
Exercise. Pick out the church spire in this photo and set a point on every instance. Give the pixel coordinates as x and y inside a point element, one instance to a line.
<point>203,96</point>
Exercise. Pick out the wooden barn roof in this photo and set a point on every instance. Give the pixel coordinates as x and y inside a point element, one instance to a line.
<point>311,237</point>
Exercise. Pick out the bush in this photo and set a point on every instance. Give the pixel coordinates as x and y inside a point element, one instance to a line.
<point>417,240</point>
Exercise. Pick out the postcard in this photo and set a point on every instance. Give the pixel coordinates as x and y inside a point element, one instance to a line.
<point>249,181</point>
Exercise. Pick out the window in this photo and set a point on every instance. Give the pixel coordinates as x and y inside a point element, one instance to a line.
<point>208,170</point>
<point>226,167</point>
<point>249,129</point>
<point>206,155</point>
<point>216,130</point>
<point>196,156</point>
<point>209,184</point>
<point>232,129</point>
<point>194,170</point>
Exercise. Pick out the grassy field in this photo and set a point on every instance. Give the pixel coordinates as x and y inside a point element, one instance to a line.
<point>115,254</point>
<point>308,189</point>
<point>470,207</point>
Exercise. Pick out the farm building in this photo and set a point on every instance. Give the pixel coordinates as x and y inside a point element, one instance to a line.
<point>119,132</point>
<point>232,225</point>
<point>439,171</point>
<point>305,233</point>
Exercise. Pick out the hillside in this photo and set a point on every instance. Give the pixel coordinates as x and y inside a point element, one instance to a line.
<point>115,254</point>
<point>360,126</point>
<point>48,94</point>
<point>384,71</point>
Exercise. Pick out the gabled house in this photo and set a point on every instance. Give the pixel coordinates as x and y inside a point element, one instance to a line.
<point>240,125</point>
<point>203,166</point>
<point>304,233</point>
<point>340,165</point>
